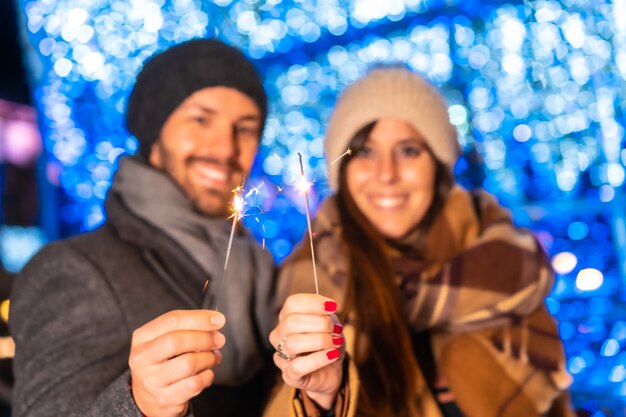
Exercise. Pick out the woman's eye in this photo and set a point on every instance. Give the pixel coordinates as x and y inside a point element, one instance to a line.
<point>363,152</point>
<point>201,120</point>
<point>411,151</point>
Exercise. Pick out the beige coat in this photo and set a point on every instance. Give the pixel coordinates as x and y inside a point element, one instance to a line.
<point>496,371</point>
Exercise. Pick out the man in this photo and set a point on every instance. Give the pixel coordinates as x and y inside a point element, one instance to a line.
<point>115,322</point>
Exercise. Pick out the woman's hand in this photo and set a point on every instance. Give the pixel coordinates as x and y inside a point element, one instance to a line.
<point>309,346</point>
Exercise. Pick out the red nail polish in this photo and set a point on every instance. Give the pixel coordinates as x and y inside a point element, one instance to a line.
<point>338,340</point>
<point>337,328</point>
<point>333,354</point>
<point>330,306</point>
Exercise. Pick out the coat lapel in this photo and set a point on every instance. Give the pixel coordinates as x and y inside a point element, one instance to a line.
<point>162,254</point>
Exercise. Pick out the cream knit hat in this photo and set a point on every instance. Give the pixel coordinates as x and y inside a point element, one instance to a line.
<point>390,92</point>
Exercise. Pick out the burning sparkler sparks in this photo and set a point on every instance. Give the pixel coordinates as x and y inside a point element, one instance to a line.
<point>348,152</point>
<point>255,190</point>
<point>237,206</point>
<point>303,185</point>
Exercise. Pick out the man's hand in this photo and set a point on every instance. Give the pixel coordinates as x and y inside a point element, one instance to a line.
<point>171,360</point>
<point>309,343</point>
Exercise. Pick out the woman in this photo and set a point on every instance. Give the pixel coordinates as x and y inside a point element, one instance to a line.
<point>440,296</point>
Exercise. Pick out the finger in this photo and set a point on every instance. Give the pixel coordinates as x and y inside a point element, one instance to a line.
<point>182,367</point>
<point>201,320</point>
<point>191,386</point>
<point>280,362</point>
<point>303,323</point>
<point>297,344</point>
<point>296,369</point>
<point>174,344</point>
<point>218,357</point>
<point>308,304</point>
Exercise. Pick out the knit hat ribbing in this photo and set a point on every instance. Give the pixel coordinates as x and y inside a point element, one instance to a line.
<point>171,76</point>
<point>390,92</point>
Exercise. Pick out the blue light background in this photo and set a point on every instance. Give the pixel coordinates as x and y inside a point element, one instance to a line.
<point>535,88</point>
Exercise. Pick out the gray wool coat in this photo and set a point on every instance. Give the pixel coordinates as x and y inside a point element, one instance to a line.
<point>75,305</point>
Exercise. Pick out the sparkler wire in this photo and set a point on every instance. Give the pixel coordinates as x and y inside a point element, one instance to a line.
<point>236,217</point>
<point>308,222</point>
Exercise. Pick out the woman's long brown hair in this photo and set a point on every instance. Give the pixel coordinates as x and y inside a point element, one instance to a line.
<point>383,349</point>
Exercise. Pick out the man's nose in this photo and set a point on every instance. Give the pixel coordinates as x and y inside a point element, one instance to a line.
<point>224,141</point>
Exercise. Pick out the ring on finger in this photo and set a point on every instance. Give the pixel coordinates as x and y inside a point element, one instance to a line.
<point>280,350</point>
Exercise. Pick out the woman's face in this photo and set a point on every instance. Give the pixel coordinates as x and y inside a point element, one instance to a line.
<point>391,177</point>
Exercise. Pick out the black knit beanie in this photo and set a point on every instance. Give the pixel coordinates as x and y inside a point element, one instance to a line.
<point>169,77</point>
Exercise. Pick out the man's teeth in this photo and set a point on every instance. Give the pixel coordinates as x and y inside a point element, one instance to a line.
<point>214,174</point>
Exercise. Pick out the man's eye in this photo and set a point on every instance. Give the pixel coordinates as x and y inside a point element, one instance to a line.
<point>247,131</point>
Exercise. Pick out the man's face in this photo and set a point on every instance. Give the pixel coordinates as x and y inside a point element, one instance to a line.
<point>207,144</point>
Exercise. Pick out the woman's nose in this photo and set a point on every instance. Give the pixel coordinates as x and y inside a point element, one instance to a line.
<point>387,168</point>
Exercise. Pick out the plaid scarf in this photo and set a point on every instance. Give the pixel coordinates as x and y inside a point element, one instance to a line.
<point>477,271</point>
<point>478,284</point>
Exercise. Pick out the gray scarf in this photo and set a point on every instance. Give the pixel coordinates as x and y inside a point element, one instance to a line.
<point>154,197</point>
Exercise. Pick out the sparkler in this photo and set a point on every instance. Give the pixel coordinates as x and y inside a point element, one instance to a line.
<point>262,227</point>
<point>304,187</point>
<point>236,215</point>
<point>348,152</point>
